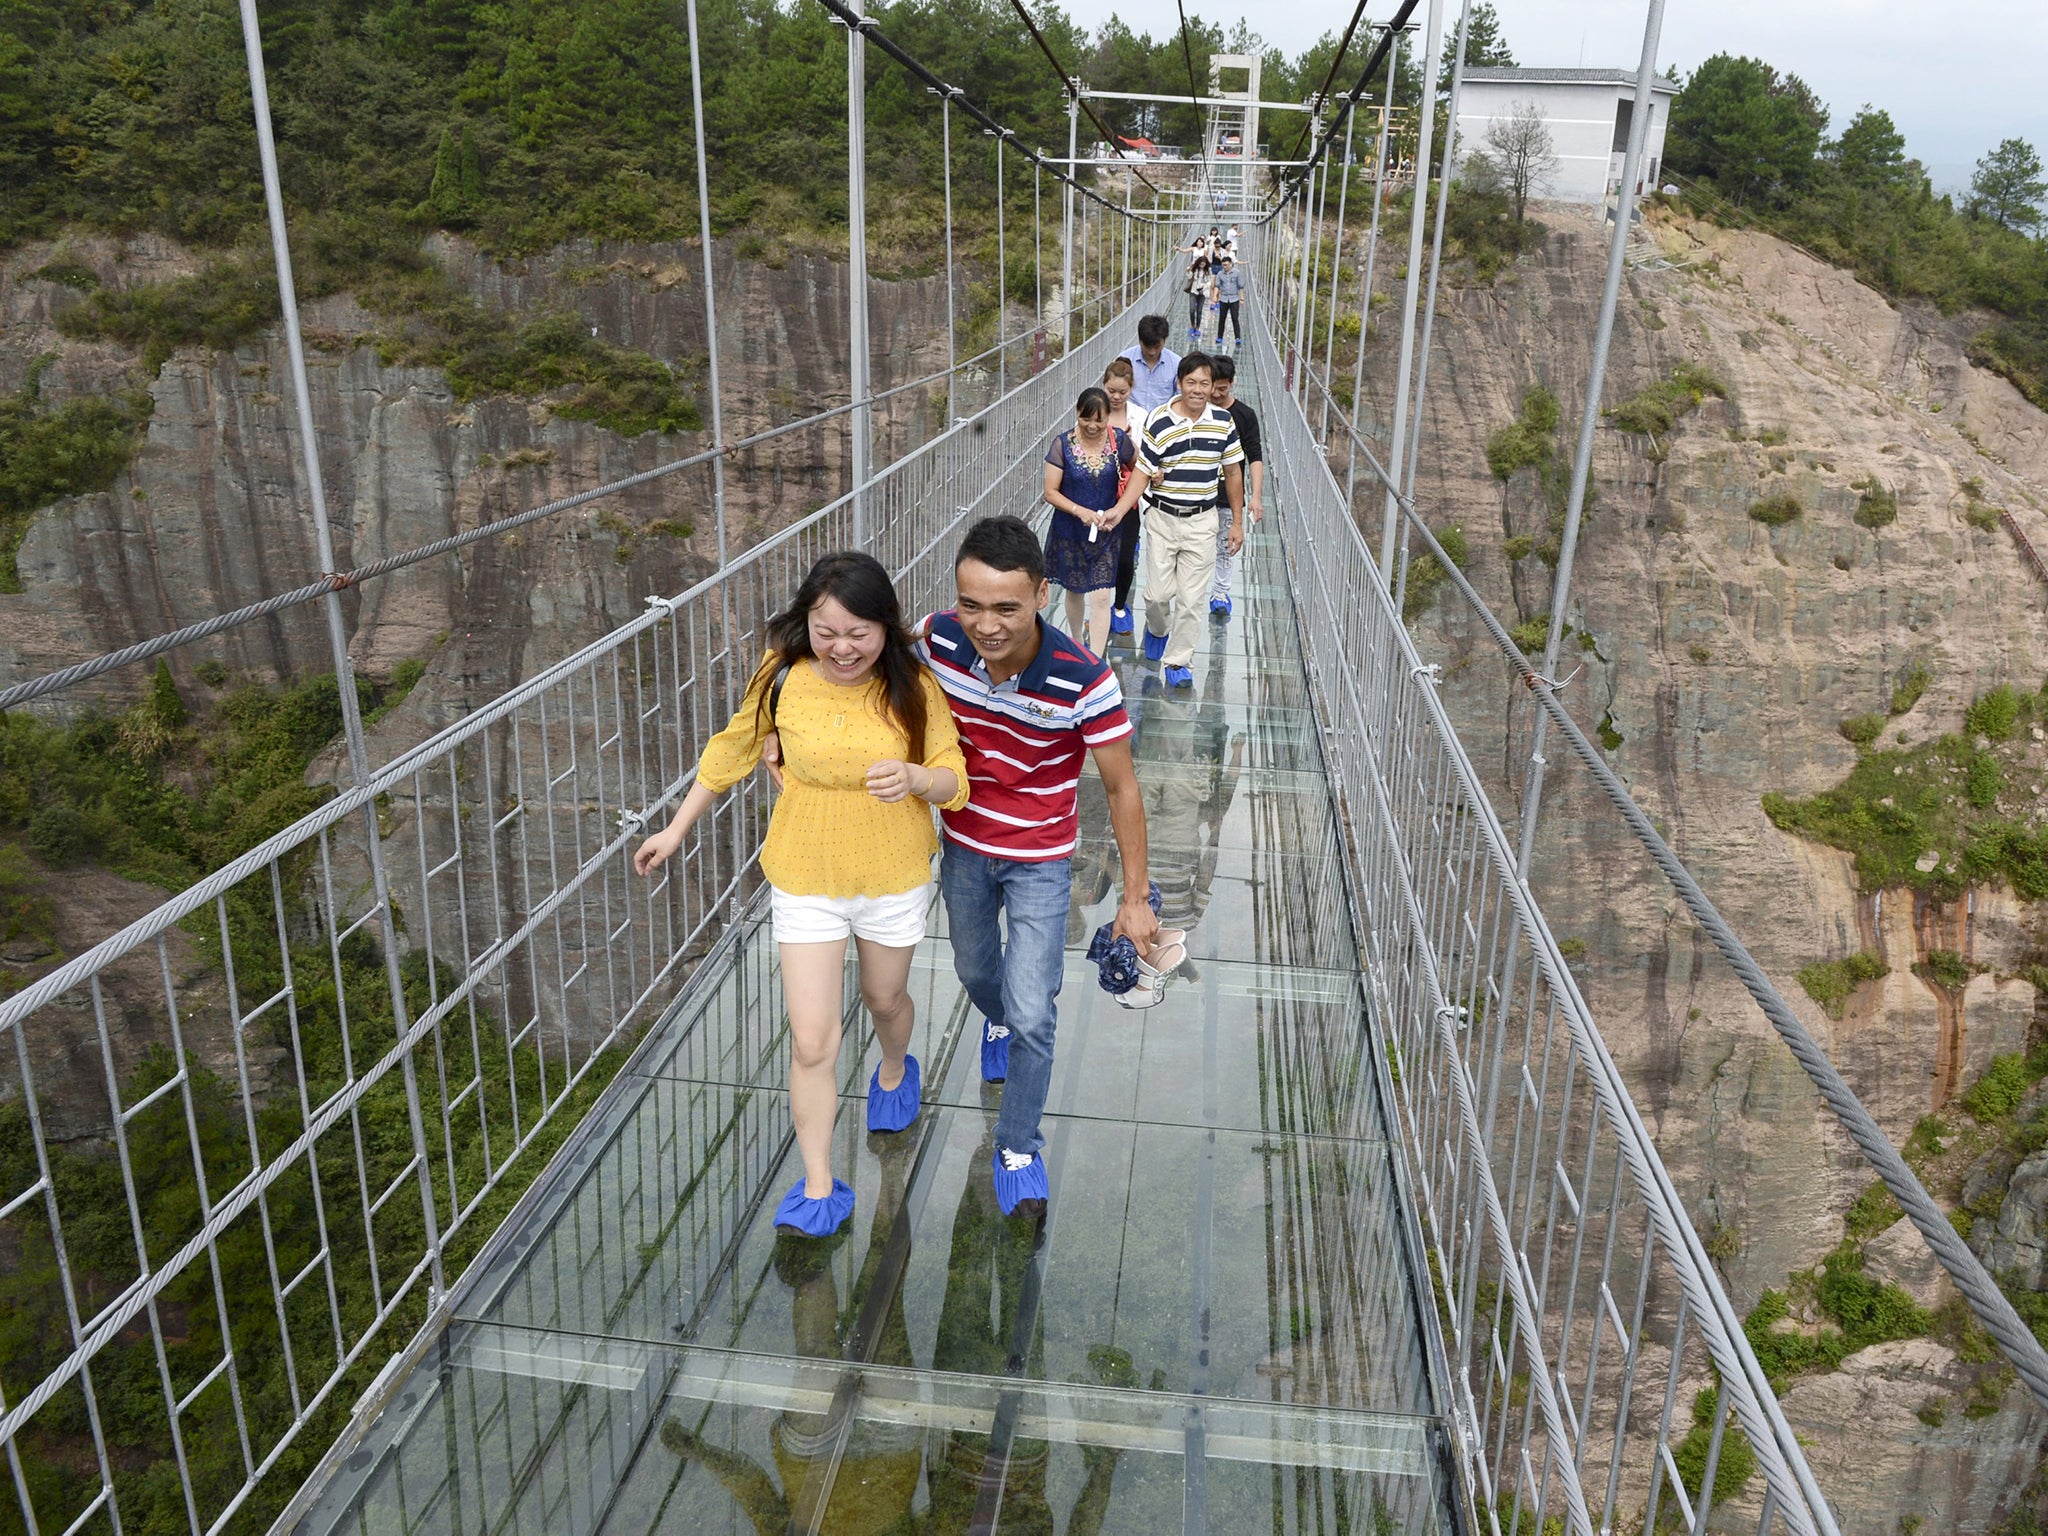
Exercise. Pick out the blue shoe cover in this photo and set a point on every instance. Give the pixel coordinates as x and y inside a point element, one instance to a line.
<point>995,1053</point>
<point>1155,646</point>
<point>891,1109</point>
<point>814,1218</point>
<point>1220,606</point>
<point>1180,677</point>
<point>1119,621</point>
<point>1025,1191</point>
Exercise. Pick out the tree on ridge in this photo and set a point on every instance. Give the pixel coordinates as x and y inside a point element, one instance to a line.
<point>2008,187</point>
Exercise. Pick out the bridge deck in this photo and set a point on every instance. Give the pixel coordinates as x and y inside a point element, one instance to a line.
<point>1214,1329</point>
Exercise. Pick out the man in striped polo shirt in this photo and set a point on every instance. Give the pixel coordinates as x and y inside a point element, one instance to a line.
<point>1189,463</point>
<point>1030,704</point>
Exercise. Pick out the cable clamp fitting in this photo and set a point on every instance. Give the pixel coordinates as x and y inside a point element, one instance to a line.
<point>633,821</point>
<point>1429,672</point>
<point>1458,1017</point>
<point>656,600</point>
<point>1553,683</point>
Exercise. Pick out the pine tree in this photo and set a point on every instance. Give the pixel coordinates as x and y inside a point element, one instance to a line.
<point>444,196</point>
<point>2009,186</point>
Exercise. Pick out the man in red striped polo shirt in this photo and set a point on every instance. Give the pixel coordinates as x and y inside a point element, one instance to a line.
<point>1030,704</point>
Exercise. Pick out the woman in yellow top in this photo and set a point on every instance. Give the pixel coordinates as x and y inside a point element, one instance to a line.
<point>868,748</point>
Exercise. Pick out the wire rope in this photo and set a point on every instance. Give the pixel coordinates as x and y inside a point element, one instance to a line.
<point>1329,77</point>
<point>1991,1306</point>
<point>1295,176</point>
<point>1067,83</point>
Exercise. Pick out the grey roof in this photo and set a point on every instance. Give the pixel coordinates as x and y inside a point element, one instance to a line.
<point>1564,77</point>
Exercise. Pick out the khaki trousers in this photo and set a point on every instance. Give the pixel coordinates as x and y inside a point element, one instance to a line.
<point>1180,562</point>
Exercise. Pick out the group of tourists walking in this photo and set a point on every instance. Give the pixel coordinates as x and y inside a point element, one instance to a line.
<point>985,713</point>
<point>1167,432</point>
<point>1214,281</point>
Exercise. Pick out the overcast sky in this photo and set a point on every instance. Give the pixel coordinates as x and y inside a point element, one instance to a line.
<point>1956,78</point>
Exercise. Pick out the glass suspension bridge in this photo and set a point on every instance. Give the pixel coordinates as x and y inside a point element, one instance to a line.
<point>1361,1231</point>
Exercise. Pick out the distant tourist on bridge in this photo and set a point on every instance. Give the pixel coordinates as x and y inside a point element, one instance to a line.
<point>1030,705</point>
<point>1198,287</point>
<point>1229,288</point>
<point>867,746</point>
<point>1085,469</point>
<point>1155,367</point>
<point>1190,462</point>
<point>1116,383</point>
<point>1224,393</point>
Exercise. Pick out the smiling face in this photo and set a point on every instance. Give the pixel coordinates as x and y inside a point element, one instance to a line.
<point>999,611</point>
<point>846,646</point>
<point>1194,389</point>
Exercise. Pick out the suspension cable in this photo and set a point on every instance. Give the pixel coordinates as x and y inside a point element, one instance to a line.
<point>1991,1306</point>
<point>872,31</point>
<point>1187,52</point>
<point>1330,77</point>
<point>1067,82</point>
<point>338,581</point>
<point>1298,174</point>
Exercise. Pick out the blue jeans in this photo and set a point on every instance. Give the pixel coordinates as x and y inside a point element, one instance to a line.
<point>1017,984</point>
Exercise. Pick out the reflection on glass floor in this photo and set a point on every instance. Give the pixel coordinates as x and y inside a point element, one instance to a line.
<point>1213,1329</point>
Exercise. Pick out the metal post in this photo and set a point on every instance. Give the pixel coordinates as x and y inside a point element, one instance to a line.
<point>710,290</point>
<point>952,367</point>
<point>1336,280</point>
<point>1308,234</point>
<point>1372,251</point>
<point>1127,233</point>
<point>1436,255</point>
<point>1038,242</point>
<point>1589,418</point>
<point>1426,116</point>
<point>337,627</point>
<point>862,423</point>
<point>1067,233</point>
<point>1306,339</point>
<point>1002,280</point>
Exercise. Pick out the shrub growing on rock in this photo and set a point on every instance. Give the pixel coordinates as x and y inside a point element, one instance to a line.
<point>1775,511</point>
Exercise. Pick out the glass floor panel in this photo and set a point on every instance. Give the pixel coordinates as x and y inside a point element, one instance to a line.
<point>1215,1328</point>
<point>1241,1046</point>
<point>526,1431</point>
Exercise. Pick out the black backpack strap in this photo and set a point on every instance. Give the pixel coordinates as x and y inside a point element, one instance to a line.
<point>775,691</point>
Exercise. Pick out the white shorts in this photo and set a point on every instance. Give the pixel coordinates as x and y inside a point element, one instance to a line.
<point>897,921</point>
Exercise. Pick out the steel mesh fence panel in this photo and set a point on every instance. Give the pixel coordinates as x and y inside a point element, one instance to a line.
<point>1598,1375</point>
<point>316,1104</point>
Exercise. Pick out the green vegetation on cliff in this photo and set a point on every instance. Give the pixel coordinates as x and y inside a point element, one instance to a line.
<point>1757,141</point>
<point>53,450</point>
<point>1966,809</point>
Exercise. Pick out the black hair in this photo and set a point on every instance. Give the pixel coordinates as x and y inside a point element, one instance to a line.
<point>1093,402</point>
<point>863,588</point>
<point>1153,331</point>
<point>1193,361</point>
<point>1223,368</point>
<point>1004,544</point>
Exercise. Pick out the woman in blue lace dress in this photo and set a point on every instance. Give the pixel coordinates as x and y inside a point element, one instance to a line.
<point>1084,470</point>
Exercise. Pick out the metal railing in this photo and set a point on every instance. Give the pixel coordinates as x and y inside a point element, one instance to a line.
<point>309,1136</point>
<point>1598,1373</point>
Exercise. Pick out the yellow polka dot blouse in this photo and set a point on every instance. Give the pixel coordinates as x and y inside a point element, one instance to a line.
<point>829,836</point>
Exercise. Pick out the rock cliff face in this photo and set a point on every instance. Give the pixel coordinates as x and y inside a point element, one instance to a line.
<point>213,511</point>
<point>1719,655</point>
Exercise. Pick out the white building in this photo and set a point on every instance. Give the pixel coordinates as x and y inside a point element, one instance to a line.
<point>1587,112</point>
